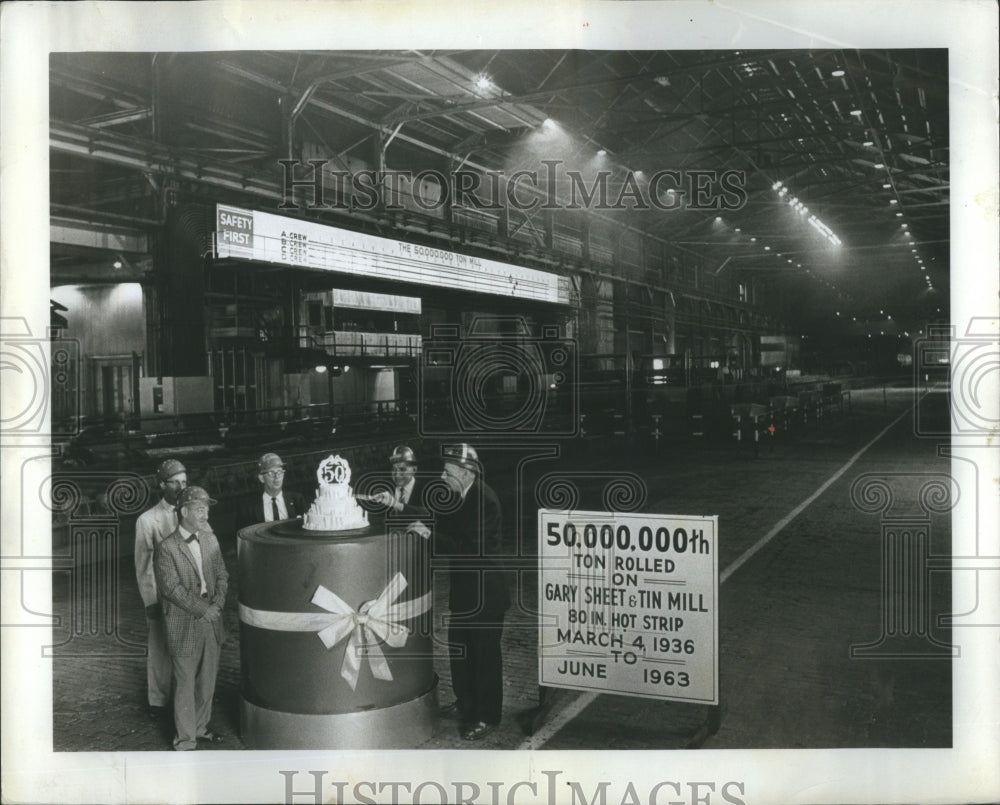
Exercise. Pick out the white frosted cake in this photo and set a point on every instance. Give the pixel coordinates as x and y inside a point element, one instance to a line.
<point>335,508</point>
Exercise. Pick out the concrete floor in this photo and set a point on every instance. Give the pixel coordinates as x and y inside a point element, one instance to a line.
<point>789,613</point>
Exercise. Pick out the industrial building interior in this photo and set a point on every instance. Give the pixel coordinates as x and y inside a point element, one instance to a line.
<point>749,257</point>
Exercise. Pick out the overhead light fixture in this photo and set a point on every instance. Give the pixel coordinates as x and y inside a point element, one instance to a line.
<point>856,112</point>
<point>602,153</point>
<point>886,185</point>
<point>868,143</point>
<point>878,166</point>
<point>662,80</point>
<point>321,369</point>
<point>483,81</point>
<point>893,201</point>
<point>802,209</point>
<point>837,73</point>
<point>548,123</point>
<point>767,248</point>
<point>899,215</point>
<point>117,264</point>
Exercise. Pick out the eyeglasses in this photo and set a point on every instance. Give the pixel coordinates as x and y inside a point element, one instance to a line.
<point>274,473</point>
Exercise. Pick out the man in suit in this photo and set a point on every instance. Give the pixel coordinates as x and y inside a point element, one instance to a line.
<point>191,579</point>
<point>406,499</point>
<point>151,528</point>
<point>469,526</point>
<point>274,502</point>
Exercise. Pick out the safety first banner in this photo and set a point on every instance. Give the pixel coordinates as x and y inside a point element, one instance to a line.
<point>269,238</point>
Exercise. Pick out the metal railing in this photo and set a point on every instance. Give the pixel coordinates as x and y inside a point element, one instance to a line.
<point>349,344</point>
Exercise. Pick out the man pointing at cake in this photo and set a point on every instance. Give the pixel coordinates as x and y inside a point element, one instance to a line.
<point>406,499</point>
<point>469,526</point>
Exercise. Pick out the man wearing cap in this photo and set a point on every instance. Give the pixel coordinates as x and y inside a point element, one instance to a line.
<point>274,502</point>
<point>152,526</point>
<point>469,524</point>
<point>407,495</point>
<point>192,580</point>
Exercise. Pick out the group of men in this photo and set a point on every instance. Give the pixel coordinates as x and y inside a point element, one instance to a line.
<point>183,581</point>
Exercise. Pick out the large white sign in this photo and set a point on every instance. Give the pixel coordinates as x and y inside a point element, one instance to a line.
<point>628,603</point>
<point>252,235</point>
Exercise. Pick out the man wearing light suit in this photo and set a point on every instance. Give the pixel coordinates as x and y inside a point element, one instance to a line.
<point>150,529</point>
<point>191,580</point>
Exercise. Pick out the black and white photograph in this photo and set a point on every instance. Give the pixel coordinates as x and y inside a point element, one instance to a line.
<point>583,403</point>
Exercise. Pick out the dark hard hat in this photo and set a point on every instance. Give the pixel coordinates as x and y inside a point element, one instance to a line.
<point>269,461</point>
<point>194,494</point>
<point>403,454</point>
<point>463,455</point>
<point>168,469</point>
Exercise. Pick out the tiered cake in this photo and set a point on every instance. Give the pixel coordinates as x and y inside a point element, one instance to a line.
<point>335,508</point>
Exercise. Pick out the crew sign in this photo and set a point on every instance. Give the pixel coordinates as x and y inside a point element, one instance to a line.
<point>628,603</point>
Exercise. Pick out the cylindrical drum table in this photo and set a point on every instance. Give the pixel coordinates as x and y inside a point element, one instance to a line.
<point>335,638</point>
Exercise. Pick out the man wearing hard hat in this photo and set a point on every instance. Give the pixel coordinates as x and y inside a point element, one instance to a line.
<point>191,579</point>
<point>274,501</point>
<point>469,525</point>
<point>407,497</point>
<point>150,529</point>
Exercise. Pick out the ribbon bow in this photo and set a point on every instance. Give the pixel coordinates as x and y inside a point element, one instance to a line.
<point>373,619</point>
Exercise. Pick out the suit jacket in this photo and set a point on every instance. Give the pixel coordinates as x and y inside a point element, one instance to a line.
<point>416,506</point>
<point>179,588</point>
<point>468,534</point>
<point>151,528</point>
<point>251,509</point>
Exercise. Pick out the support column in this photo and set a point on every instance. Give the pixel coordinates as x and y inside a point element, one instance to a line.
<point>179,264</point>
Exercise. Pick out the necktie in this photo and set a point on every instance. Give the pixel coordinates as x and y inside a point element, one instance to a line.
<point>192,538</point>
<point>274,509</point>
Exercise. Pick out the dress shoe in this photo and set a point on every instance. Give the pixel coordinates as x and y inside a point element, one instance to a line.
<point>450,710</point>
<point>211,737</point>
<point>474,732</point>
<point>156,712</point>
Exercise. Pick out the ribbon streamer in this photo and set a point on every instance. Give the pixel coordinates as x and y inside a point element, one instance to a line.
<point>373,619</point>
